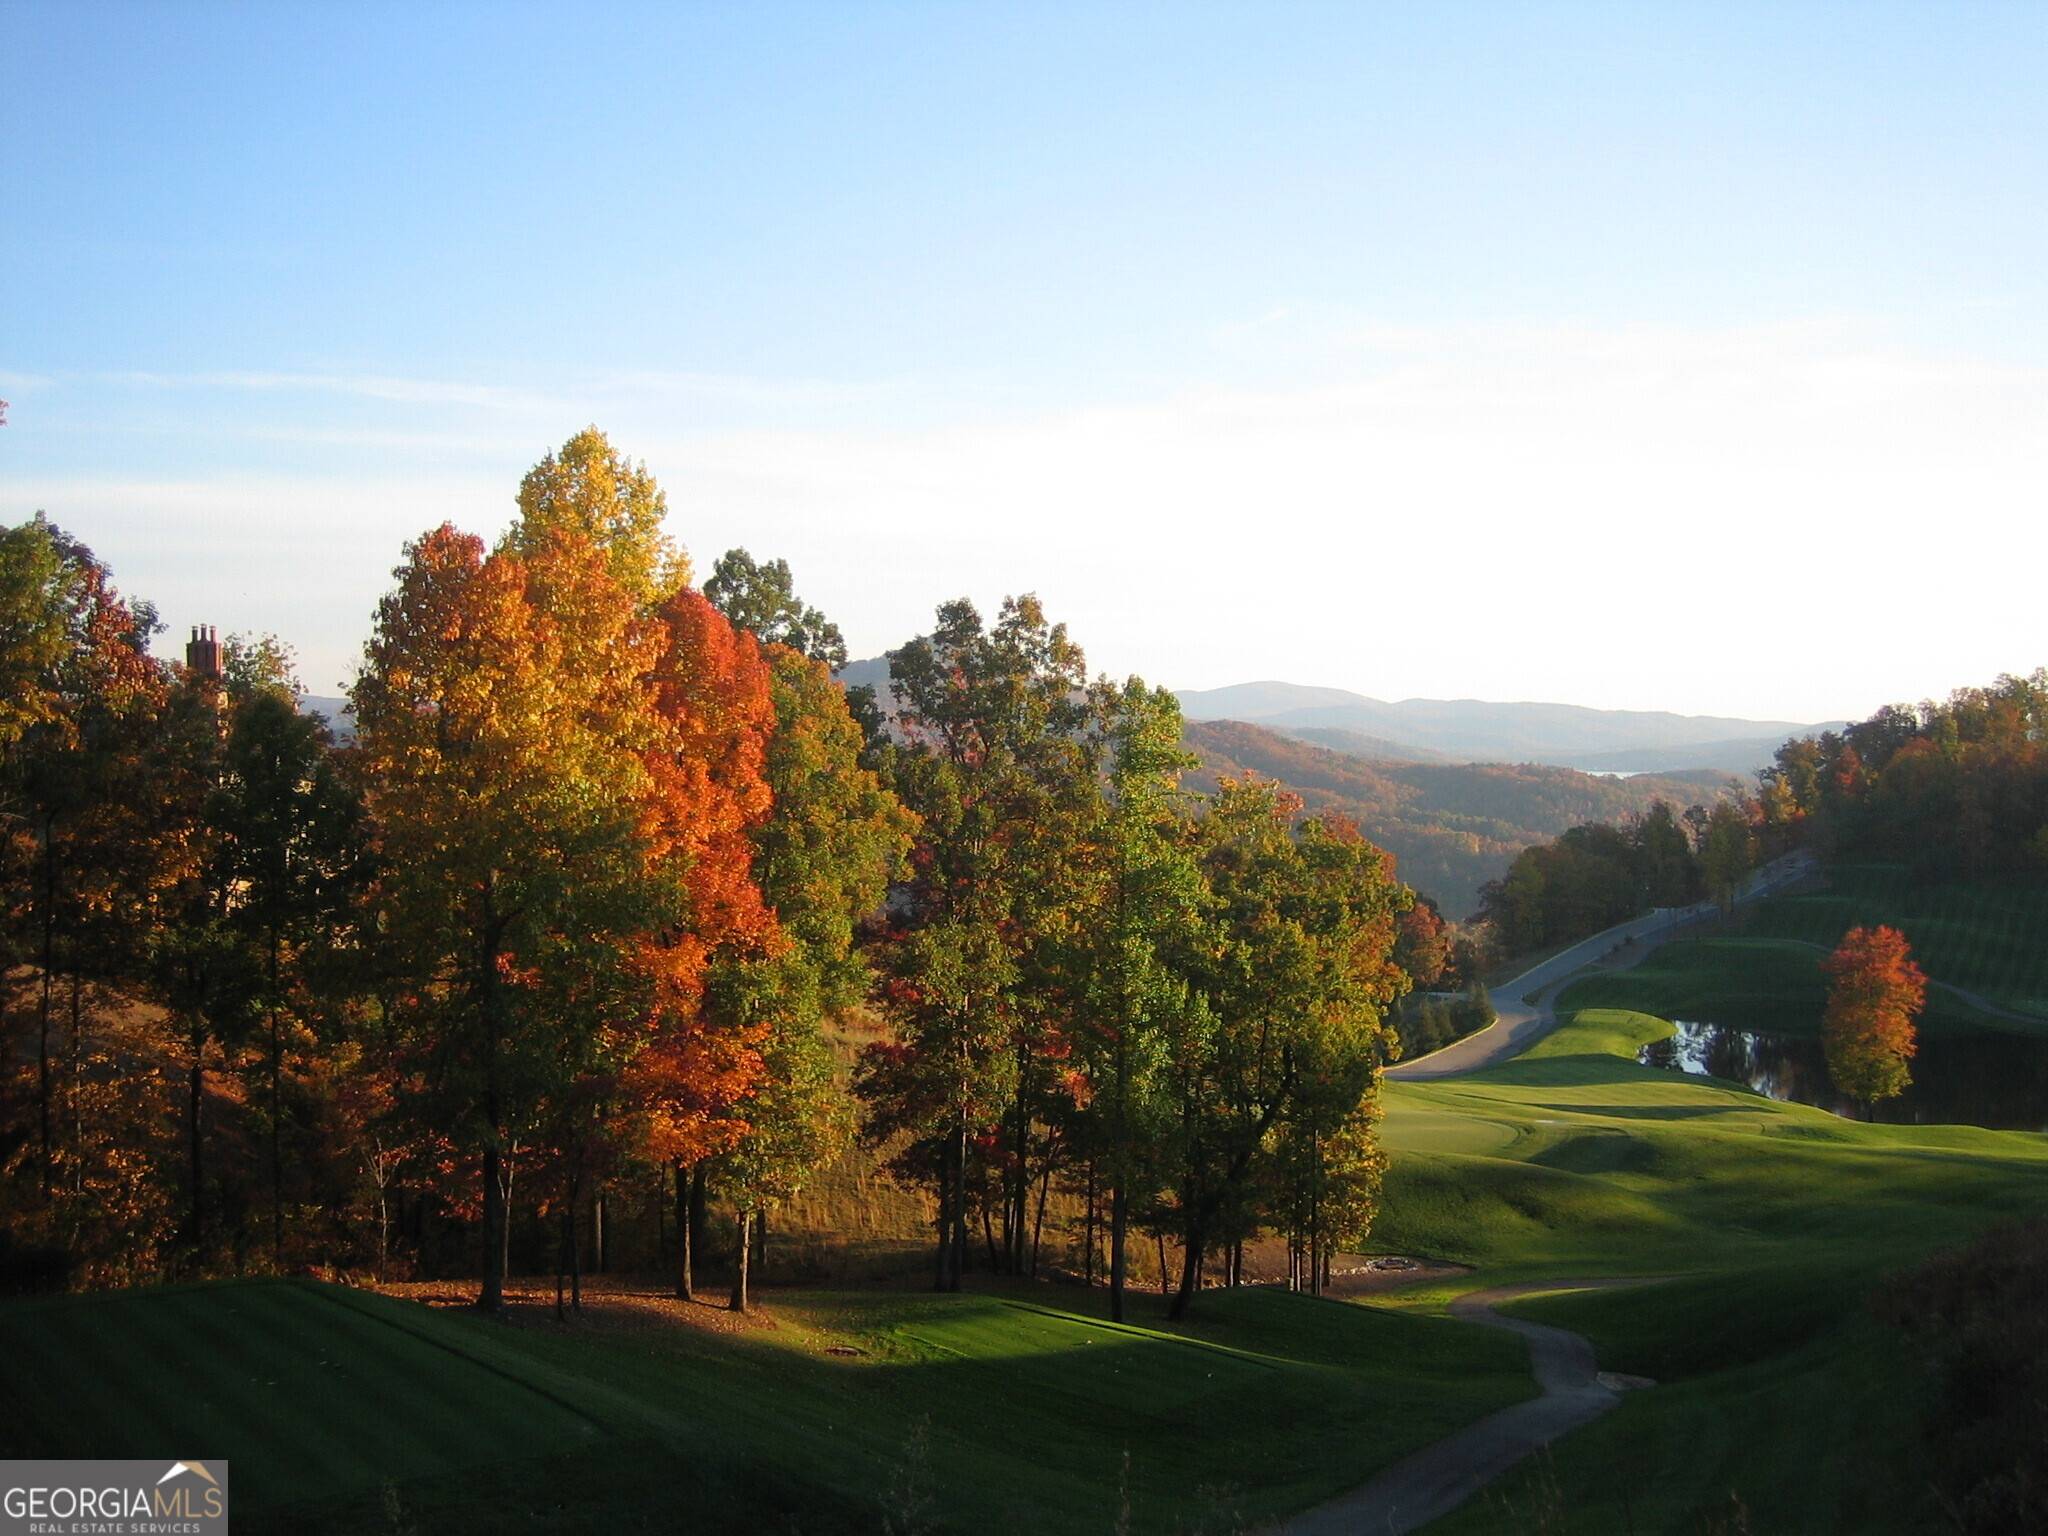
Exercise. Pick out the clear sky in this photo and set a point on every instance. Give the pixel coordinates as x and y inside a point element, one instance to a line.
<point>1648,356</point>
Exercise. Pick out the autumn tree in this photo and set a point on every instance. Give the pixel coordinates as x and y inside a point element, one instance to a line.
<point>1875,992</point>
<point>85,847</point>
<point>710,796</point>
<point>491,732</point>
<point>589,491</point>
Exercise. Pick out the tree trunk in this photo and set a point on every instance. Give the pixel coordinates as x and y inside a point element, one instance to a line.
<point>49,915</point>
<point>945,1226</point>
<point>1088,1231</point>
<point>196,1099</point>
<point>492,1297</point>
<point>597,1235</point>
<point>661,1198</point>
<point>1119,1222</point>
<point>77,1083</point>
<point>739,1273</point>
<point>575,1242</point>
<point>509,1170</point>
<point>1038,1222</point>
<point>685,1225</point>
<point>276,1119</point>
<point>562,1226</point>
<point>1190,1273</point>
<point>700,1210</point>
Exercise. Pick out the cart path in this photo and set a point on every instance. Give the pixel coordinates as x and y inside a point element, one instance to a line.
<point>1438,1478</point>
<point>1520,1025</point>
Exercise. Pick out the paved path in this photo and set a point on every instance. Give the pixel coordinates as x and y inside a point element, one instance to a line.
<point>1438,1478</point>
<point>1520,1025</point>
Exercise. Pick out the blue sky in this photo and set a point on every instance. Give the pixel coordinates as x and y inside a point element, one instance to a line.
<point>1353,345</point>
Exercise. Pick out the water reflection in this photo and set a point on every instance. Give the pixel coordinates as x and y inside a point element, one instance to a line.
<point>1998,1081</point>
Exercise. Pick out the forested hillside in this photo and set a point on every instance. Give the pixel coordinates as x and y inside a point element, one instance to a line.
<point>1452,826</point>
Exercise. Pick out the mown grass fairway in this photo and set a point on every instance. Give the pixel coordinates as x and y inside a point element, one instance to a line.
<point>1983,935</point>
<point>1769,984</point>
<point>320,1397</point>
<point>1774,1221</point>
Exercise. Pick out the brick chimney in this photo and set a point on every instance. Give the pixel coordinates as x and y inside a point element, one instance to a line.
<point>202,653</point>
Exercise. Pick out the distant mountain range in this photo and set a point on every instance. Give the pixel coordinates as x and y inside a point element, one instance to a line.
<point>1453,788</point>
<point>1476,731</point>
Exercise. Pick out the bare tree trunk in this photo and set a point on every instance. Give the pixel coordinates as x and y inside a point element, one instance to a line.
<point>597,1235</point>
<point>959,1265</point>
<point>508,1167</point>
<point>660,1218</point>
<point>1190,1273</point>
<point>77,1083</point>
<point>1160,1238</point>
<point>492,1298</point>
<point>196,1099</point>
<point>1038,1223</point>
<point>1119,1223</point>
<point>575,1237</point>
<point>276,1119</point>
<point>700,1209</point>
<point>739,1274</point>
<point>1088,1231</point>
<point>684,1225</point>
<point>563,1223</point>
<point>49,915</point>
<point>945,1225</point>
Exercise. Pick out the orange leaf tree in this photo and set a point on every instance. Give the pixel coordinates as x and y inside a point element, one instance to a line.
<point>1875,992</point>
<point>491,714</point>
<point>708,793</point>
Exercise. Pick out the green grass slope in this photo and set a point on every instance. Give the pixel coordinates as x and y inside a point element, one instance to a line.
<point>1768,1225</point>
<point>1988,936</point>
<point>321,1397</point>
<point>1770,984</point>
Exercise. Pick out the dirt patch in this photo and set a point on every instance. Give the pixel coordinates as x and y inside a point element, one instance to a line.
<point>610,1304</point>
<point>1389,1272</point>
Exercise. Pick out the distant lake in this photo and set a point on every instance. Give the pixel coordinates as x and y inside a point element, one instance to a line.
<point>1996,1081</point>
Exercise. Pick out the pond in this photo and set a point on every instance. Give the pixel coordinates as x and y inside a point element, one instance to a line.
<point>1996,1081</point>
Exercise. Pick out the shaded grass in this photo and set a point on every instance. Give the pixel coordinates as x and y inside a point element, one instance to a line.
<point>320,1396</point>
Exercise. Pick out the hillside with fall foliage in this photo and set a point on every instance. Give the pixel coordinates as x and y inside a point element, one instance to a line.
<point>1452,826</point>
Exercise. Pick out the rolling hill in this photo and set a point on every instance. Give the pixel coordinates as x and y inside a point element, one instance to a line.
<point>1451,826</point>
